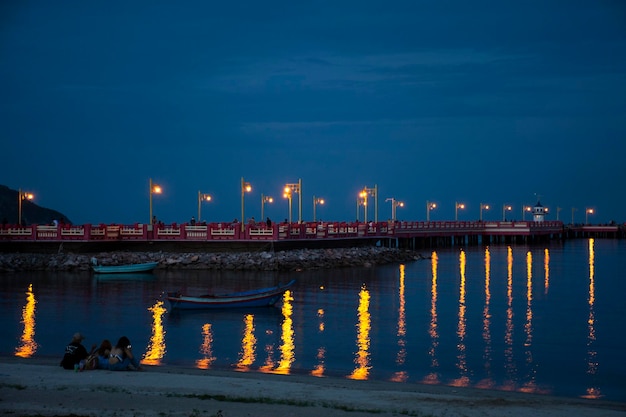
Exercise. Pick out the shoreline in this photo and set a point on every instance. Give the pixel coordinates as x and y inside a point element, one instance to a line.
<point>292,260</point>
<point>38,387</point>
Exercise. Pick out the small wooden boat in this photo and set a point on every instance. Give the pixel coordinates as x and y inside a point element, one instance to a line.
<point>263,297</point>
<point>124,269</point>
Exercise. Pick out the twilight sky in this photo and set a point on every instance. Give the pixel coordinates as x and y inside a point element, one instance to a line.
<point>445,101</point>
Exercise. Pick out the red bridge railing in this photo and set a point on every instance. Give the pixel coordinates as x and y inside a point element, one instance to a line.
<point>275,232</point>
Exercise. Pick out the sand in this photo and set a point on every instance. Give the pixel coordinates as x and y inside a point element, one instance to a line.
<point>37,387</point>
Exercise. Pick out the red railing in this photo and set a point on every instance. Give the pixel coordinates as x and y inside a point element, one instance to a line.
<point>280,231</point>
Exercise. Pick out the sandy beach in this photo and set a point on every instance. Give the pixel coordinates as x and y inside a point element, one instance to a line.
<point>38,387</point>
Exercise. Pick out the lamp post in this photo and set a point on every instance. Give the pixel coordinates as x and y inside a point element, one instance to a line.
<point>289,190</point>
<point>154,189</point>
<point>265,199</point>
<point>557,213</point>
<point>524,210</point>
<point>505,208</point>
<point>316,201</point>
<point>359,202</point>
<point>573,210</point>
<point>457,206</point>
<point>22,196</point>
<point>374,193</point>
<point>587,213</point>
<point>202,197</point>
<point>245,188</point>
<point>483,207</point>
<point>429,207</point>
<point>394,204</point>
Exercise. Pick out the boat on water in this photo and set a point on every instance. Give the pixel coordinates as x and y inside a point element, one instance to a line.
<point>124,269</point>
<point>262,297</point>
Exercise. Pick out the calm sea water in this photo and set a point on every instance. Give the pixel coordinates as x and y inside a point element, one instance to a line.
<point>543,319</point>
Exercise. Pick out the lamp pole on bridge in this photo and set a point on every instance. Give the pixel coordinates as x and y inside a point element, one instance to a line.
<point>394,204</point>
<point>316,201</point>
<point>374,193</point>
<point>265,199</point>
<point>587,212</point>
<point>483,207</point>
<point>505,208</point>
<point>288,193</point>
<point>573,210</point>
<point>21,195</point>
<point>457,206</point>
<point>246,187</point>
<point>524,210</point>
<point>154,189</point>
<point>429,207</point>
<point>202,197</point>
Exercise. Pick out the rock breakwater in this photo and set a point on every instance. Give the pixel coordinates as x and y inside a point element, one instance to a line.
<point>262,261</point>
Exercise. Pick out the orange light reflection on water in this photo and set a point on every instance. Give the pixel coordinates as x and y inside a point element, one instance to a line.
<point>401,376</point>
<point>463,379</point>
<point>321,351</point>
<point>592,359</point>
<point>28,346</point>
<point>206,348</point>
<point>248,344</point>
<point>433,376</point>
<point>287,348</point>
<point>488,381</point>
<point>362,359</point>
<point>546,270</point>
<point>156,348</point>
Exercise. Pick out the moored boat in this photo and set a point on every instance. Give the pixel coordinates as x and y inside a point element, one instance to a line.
<point>124,269</point>
<point>262,297</point>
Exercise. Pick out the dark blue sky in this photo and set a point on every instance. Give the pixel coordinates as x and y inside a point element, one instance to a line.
<point>444,101</point>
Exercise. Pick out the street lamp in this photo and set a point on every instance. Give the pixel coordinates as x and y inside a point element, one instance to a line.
<point>505,208</point>
<point>316,201</point>
<point>429,207</point>
<point>265,199</point>
<point>524,210</point>
<point>557,213</point>
<point>573,210</point>
<point>202,197</point>
<point>587,212</point>
<point>245,188</point>
<point>394,203</point>
<point>154,189</point>
<point>359,203</point>
<point>21,195</point>
<point>289,190</point>
<point>374,193</point>
<point>457,206</point>
<point>483,207</point>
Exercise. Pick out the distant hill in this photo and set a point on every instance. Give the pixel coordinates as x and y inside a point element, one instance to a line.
<point>31,212</point>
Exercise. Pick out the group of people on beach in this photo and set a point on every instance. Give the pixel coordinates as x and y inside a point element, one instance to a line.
<point>113,358</point>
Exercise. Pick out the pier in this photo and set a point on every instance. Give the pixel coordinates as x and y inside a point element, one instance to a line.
<point>252,236</point>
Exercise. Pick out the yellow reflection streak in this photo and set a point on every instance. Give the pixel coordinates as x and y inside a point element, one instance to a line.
<point>206,348</point>
<point>401,376</point>
<point>156,348</point>
<point>546,270</point>
<point>433,377</point>
<point>321,351</point>
<point>248,344</point>
<point>592,360</point>
<point>488,382</point>
<point>530,385</point>
<point>463,380</point>
<point>508,334</point>
<point>28,346</point>
<point>363,337</point>
<point>287,349</point>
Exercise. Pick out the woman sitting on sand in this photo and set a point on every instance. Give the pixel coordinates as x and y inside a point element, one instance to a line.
<point>104,352</point>
<point>121,357</point>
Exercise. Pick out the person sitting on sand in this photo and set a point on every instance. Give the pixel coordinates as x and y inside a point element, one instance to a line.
<point>121,357</point>
<point>75,352</point>
<point>104,352</point>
